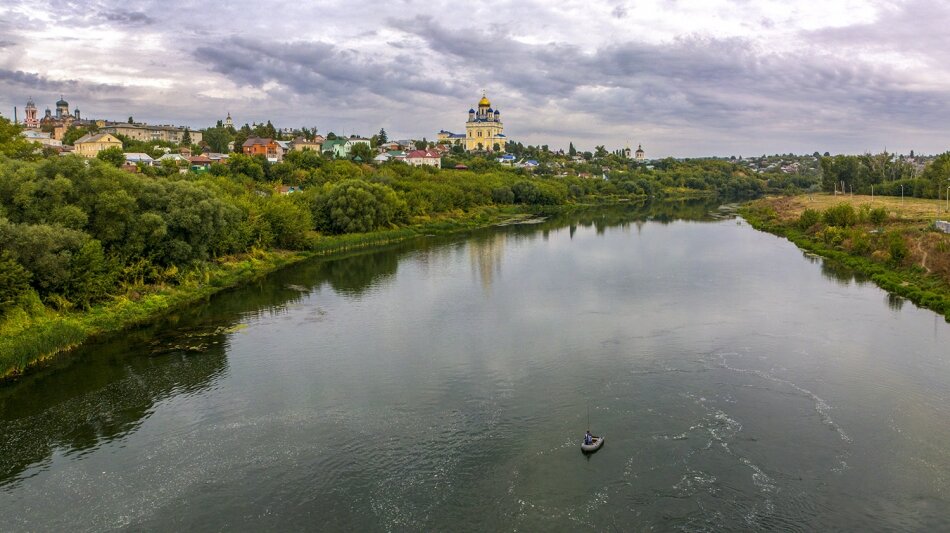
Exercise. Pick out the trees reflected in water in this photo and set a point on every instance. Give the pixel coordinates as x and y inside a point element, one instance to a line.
<point>104,391</point>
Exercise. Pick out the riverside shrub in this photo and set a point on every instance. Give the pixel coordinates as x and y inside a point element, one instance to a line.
<point>808,218</point>
<point>841,215</point>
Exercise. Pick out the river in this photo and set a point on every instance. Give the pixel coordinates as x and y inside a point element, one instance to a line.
<point>445,384</point>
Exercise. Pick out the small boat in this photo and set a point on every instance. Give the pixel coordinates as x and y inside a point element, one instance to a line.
<point>593,446</point>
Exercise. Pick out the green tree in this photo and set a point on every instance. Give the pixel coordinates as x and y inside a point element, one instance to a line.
<point>73,134</point>
<point>571,151</point>
<point>13,144</point>
<point>186,138</point>
<point>354,206</point>
<point>362,151</point>
<point>218,139</point>
<point>383,138</point>
<point>114,156</point>
<point>14,280</point>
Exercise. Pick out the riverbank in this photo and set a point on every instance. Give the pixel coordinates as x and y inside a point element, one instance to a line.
<point>32,332</point>
<point>891,240</point>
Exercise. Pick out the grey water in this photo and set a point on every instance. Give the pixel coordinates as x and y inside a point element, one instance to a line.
<point>444,384</point>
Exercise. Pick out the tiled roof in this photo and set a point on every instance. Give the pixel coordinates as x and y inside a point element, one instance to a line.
<point>254,141</point>
<point>423,154</point>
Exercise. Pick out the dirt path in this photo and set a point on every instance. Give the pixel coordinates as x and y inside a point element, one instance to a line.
<point>923,257</point>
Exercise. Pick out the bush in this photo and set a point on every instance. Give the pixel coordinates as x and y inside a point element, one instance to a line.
<point>502,195</point>
<point>878,215</point>
<point>808,218</point>
<point>842,215</point>
<point>114,156</point>
<point>355,206</point>
<point>897,247</point>
<point>14,280</point>
<point>832,235</point>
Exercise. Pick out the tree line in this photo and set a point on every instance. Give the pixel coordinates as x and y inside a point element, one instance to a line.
<point>74,231</point>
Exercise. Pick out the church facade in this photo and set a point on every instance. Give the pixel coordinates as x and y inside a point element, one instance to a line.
<point>484,130</point>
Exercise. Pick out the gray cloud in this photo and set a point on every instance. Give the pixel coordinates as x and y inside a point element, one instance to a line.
<point>319,67</point>
<point>759,85</point>
<point>128,17</point>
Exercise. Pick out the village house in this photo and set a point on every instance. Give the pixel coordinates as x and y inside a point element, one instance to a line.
<point>289,189</point>
<point>45,139</point>
<point>134,158</point>
<point>199,162</point>
<point>265,147</point>
<point>90,145</point>
<point>300,144</point>
<point>419,158</point>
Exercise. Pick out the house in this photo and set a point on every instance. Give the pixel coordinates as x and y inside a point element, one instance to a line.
<point>90,145</point>
<point>419,158</point>
<point>134,158</point>
<point>45,139</point>
<point>289,189</point>
<point>388,147</point>
<point>507,159</point>
<point>216,157</point>
<point>265,147</point>
<point>335,148</point>
<point>300,144</point>
<point>381,158</point>
<point>199,162</point>
<point>177,159</point>
<point>145,132</point>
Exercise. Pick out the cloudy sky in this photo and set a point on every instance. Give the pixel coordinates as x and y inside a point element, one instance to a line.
<point>682,77</point>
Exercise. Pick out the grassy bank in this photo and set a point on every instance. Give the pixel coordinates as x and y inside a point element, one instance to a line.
<point>893,242</point>
<point>33,332</point>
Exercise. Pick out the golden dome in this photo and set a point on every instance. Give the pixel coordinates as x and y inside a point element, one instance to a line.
<point>484,102</point>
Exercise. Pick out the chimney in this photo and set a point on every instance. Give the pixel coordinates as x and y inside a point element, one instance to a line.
<point>15,121</point>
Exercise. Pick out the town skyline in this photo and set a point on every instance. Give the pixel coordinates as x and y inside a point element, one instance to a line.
<point>685,79</point>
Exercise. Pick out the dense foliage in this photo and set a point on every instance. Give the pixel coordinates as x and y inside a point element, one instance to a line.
<point>74,231</point>
<point>886,174</point>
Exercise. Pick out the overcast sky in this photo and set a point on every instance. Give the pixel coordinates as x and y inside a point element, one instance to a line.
<point>682,77</point>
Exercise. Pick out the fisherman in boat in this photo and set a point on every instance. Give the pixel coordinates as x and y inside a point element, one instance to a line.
<point>588,438</point>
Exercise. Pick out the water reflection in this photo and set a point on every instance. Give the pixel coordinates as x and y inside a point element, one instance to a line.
<point>104,391</point>
<point>894,301</point>
<point>485,253</point>
<point>79,406</point>
<point>420,385</point>
<point>840,274</point>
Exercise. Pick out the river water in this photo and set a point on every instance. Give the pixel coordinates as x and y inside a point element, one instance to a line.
<point>445,384</point>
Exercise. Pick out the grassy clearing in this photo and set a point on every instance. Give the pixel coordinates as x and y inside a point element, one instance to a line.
<point>908,211</point>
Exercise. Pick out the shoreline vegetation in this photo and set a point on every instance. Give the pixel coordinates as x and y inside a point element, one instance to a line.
<point>892,241</point>
<point>33,333</point>
<point>95,245</point>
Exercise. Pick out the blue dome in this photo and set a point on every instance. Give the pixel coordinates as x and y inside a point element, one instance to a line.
<point>497,111</point>
<point>490,110</point>
<point>471,110</point>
